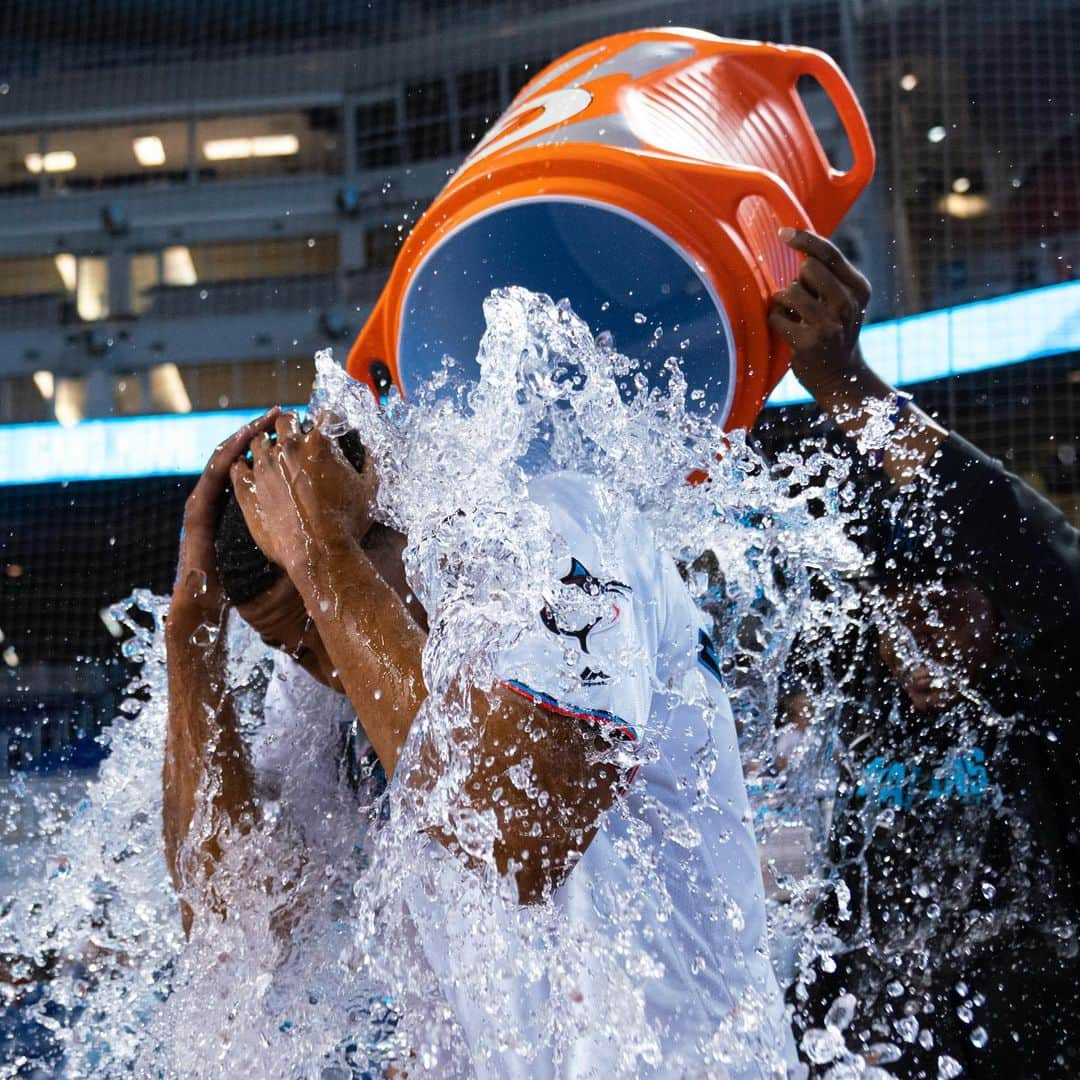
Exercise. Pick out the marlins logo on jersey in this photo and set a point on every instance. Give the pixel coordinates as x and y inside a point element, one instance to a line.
<point>586,623</point>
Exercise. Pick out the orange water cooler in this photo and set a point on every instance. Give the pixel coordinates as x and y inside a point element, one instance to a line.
<point>643,177</point>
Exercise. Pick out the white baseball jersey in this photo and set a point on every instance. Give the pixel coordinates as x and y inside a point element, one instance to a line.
<point>666,971</point>
<point>672,879</point>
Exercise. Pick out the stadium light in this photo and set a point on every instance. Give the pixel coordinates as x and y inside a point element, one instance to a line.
<point>68,403</point>
<point>227,149</point>
<point>91,295</point>
<point>168,390</point>
<point>149,150</point>
<point>257,146</point>
<point>964,206</point>
<point>909,81</point>
<point>67,268</point>
<point>936,134</point>
<point>45,383</point>
<point>275,145</point>
<point>52,162</point>
<point>178,267</point>
<point>961,185</point>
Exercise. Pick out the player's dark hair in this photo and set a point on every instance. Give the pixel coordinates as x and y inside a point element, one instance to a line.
<point>243,570</point>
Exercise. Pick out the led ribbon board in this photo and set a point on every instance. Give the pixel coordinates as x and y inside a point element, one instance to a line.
<point>953,341</point>
<point>114,449</point>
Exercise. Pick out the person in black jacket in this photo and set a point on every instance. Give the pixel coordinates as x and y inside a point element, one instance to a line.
<point>953,900</point>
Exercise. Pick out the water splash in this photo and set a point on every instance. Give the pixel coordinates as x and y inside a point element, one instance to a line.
<point>317,970</point>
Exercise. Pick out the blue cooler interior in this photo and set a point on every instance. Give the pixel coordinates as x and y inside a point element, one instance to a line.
<point>618,274</point>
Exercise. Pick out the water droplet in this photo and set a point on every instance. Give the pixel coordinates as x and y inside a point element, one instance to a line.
<point>639,318</point>
<point>979,1038</point>
<point>685,835</point>
<point>841,1012</point>
<point>822,1046</point>
<point>907,1028</point>
<point>884,1053</point>
<point>948,1068</point>
<point>205,634</point>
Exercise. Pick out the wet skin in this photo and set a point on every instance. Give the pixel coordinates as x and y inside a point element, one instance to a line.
<point>281,620</point>
<point>279,617</point>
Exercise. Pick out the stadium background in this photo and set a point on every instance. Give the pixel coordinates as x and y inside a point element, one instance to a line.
<point>195,197</point>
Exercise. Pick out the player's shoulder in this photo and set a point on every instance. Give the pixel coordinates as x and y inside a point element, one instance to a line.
<point>603,523</point>
<point>577,498</point>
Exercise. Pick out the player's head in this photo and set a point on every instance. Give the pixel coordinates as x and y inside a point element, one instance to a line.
<point>937,637</point>
<point>261,591</point>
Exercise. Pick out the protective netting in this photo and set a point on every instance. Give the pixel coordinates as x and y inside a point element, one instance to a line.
<point>195,198</point>
<point>383,99</point>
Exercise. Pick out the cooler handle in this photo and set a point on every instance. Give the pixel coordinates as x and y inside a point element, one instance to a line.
<point>751,181</point>
<point>847,183</point>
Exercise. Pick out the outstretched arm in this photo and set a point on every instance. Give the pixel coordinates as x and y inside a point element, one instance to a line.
<point>820,317</point>
<point>299,499</point>
<point>1025,551</point>
<point>202,734</point>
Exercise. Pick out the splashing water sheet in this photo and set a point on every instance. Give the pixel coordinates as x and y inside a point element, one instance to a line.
<point>353,942</point>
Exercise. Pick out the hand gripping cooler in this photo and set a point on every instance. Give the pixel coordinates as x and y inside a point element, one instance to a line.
<point>643,177</point>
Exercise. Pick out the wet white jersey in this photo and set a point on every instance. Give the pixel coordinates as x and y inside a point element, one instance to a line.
<point>310,758</point>
<point>296,751</point>
<point>671,888</point>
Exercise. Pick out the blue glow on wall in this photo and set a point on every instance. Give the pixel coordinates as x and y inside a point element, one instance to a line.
<point>114,449</point>
<point>953,341</point>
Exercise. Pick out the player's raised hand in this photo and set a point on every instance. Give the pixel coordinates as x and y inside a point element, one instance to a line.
<point>300,494</point>
<point>821,313</point>
<point>197,591</point>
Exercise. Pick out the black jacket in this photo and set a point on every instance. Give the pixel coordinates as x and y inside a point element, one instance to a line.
<point>957,834</point>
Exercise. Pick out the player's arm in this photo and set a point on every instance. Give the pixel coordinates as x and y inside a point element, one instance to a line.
<point>299,498</point>
<point>820,316</point>
<point>202,733</point>
<point>1025,550</point>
